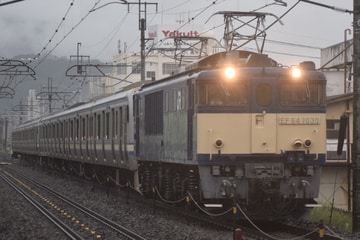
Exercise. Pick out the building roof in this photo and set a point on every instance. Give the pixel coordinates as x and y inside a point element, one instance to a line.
<point>339,98</point>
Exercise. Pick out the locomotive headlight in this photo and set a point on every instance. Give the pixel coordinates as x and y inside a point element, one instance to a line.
<point>296,72</point>
<point>219,143</point>
<point>297,143</point>
<point>229,72</point>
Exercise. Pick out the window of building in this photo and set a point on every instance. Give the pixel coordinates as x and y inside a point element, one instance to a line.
<point>150,75</point>
<point>332,128</point>
<point>121,69</point>
<point>332,134</point>
<point>169,68</point>
<point>136,68</point>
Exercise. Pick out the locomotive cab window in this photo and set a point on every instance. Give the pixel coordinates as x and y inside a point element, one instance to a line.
<point>216,93</point>
<point>304,93</point>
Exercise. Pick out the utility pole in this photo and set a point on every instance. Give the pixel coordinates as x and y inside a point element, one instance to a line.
<point>5,134</point>
<point>142,28</point>
<point>50,93</point>
<point>356,118</point>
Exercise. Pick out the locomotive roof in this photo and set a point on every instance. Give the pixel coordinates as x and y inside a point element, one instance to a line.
<point>235,58</point>
<point>238,58</point>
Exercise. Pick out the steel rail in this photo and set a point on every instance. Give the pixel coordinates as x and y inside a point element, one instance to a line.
<point>70,233</point>
<point>107,222</point>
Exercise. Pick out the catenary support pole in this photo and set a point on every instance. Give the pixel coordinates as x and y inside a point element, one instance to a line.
<point>356,119</point>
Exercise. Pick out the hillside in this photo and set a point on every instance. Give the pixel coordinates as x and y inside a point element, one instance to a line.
<point>66,91</point>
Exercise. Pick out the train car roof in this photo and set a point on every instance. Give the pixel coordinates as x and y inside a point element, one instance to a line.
<point>92,104</point>
<point>85,105</point>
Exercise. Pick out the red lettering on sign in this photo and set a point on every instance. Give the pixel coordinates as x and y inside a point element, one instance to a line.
<point>168,33</point>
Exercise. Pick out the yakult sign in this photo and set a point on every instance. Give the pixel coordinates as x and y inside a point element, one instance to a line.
<point>162,33</point>
<point>180,34</point>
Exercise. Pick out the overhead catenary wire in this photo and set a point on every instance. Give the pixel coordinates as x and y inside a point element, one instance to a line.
<point>67,34</point>
<point>50,40</point>
<point>188,22</point>
<point>59,42</point>
<point>112,34</point>
<point>337,55</point>
<point>57,29</point>
<point>272,24</point>
<point>179,4</point>
<point>287,54</point>
<point>37,57</point>
<point>10,2</point>
<point>270,41</point>
<point>328,6</point>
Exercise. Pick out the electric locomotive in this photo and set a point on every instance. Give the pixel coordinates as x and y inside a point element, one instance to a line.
<point>235,127</point>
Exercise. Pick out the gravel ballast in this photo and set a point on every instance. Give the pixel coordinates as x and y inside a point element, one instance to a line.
<point>20,220</point>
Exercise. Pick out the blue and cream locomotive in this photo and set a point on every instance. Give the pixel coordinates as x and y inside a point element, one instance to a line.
<point>234,126</point>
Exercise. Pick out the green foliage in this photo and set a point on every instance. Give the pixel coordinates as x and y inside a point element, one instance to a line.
<point>339,219</point>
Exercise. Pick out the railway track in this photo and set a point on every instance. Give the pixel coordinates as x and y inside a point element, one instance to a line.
<point>69,233</point>
<point>250,231</point>
<point>203,218</point>
<point>65,220</point>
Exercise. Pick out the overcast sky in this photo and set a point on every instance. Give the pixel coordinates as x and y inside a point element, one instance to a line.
<point>26,27</point>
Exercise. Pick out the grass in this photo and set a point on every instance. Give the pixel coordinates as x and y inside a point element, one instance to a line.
<point>339,219</point>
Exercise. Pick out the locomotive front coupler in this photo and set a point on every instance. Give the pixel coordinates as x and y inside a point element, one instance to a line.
<point>227,188</point>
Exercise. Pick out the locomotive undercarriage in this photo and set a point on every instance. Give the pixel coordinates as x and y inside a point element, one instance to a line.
<point>265,198</point>
<point>281,191</point>
<point>171,181</point>
<point>258,196</point>
<point>263,188</point>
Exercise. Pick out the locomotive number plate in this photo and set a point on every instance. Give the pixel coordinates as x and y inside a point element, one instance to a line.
<point>299,120</point>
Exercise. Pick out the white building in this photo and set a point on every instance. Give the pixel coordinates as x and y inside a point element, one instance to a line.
<point>33,105</point>
<point>167,52</point>
<point>333,61</point>
<point>335,183</point>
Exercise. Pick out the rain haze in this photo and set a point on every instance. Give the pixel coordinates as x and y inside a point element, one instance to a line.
<point>105,27</point>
